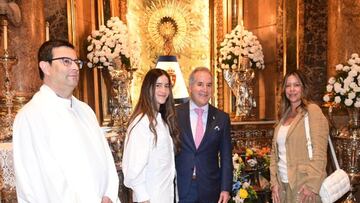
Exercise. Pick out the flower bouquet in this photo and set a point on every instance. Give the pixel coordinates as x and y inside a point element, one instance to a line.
<point>255,158</point>
<point>111,41</point>
<point>239,54</point>
<point>248,164</point>
<point>344,88</point>
<point>240,43</point>
<point>242,191</point>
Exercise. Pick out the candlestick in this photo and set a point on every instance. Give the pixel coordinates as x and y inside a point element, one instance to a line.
<point>5,24</point>
<point>47,31</point>
<point>6,121</point>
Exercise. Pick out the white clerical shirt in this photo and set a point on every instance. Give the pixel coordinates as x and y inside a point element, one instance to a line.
<point>60,153</point>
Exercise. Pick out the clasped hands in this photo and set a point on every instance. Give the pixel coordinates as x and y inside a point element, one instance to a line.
<point>304,195</point>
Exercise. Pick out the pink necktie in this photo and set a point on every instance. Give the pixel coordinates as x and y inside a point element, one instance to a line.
<point>199,133</point>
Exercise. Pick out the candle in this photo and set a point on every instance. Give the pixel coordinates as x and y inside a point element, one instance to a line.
<point>242,23</point>
<point>5,35</point>
<point>47,32</point>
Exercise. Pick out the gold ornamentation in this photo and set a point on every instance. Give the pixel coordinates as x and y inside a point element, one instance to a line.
<point>219,19</point>
<point>241,82</point>
<point>6,121</point>
<point>169,25</point>
<point>120,100</point>
<point>195,54</point>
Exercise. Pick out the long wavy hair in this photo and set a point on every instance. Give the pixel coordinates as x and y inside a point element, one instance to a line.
<point>147,105</point>
<point>305,95</point>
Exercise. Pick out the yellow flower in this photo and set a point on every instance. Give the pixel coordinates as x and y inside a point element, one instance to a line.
<point>249,152</point>
<point>243,193</point>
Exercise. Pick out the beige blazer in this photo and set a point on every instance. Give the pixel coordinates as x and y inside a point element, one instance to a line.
<point>302,170</point>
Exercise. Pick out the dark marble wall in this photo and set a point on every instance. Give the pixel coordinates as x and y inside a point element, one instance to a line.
<point>56,15</point>
<point>315,46</point>
<point>302,42</point>
<point>279,52</point>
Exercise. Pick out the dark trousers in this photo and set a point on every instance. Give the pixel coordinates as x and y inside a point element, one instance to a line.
<point>192,196</point>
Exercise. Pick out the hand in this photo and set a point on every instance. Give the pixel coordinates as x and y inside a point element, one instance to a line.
<point>106,199</point>
<point>224,197</point>
<point>306,195</point>
<point>275,190</point>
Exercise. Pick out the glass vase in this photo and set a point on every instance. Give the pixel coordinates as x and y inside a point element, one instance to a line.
<point>354,122</point>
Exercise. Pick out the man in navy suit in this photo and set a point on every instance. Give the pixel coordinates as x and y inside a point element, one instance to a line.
<point>204,164</point>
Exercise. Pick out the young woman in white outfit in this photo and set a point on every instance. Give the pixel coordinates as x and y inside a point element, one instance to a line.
<point>151,142</point>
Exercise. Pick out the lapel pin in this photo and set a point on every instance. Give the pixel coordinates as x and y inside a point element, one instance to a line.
<point>217,128</point>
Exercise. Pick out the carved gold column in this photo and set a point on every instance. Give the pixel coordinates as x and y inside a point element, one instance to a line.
<point>24,41</point>
<point>343,32</point>
<point>123,9</point>
<point>218,5</point>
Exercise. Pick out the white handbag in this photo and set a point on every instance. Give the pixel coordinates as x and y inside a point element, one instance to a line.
<point>336,184</point>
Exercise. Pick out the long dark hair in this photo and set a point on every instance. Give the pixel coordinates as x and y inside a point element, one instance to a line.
<point>147,106</point>
<point>305,95</point>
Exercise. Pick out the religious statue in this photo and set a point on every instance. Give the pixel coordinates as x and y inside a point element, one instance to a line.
<point>167,30</point>
<point>11,10</point>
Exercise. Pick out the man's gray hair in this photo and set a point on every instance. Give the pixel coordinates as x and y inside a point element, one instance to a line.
<point>197,69</point>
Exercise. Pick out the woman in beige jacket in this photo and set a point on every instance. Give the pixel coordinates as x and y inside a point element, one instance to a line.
<point>294,177</point>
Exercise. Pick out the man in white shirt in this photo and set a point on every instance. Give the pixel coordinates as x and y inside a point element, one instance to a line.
<point>60,152</point>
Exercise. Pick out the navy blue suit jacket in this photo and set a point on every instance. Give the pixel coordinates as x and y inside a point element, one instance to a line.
<point>213,158</point>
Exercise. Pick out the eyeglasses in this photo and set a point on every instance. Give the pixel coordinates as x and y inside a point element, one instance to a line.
<point>66,61</point>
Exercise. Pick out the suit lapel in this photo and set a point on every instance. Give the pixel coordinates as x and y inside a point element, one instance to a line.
<point>295,122</point>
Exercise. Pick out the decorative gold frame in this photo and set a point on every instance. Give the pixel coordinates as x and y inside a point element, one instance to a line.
<point>188,58</point>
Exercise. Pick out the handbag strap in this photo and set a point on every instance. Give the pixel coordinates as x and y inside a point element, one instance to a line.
<point>309,144</point>
<point>333,154</point>
<point>308,137</point>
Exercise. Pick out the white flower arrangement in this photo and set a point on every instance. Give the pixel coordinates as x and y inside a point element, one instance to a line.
<point>112,41</point>
<point>240,43</point>
<point>344,87</point>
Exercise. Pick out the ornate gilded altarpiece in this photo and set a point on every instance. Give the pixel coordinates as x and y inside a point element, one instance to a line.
<point>205,24</point>
<point>191,44</point>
